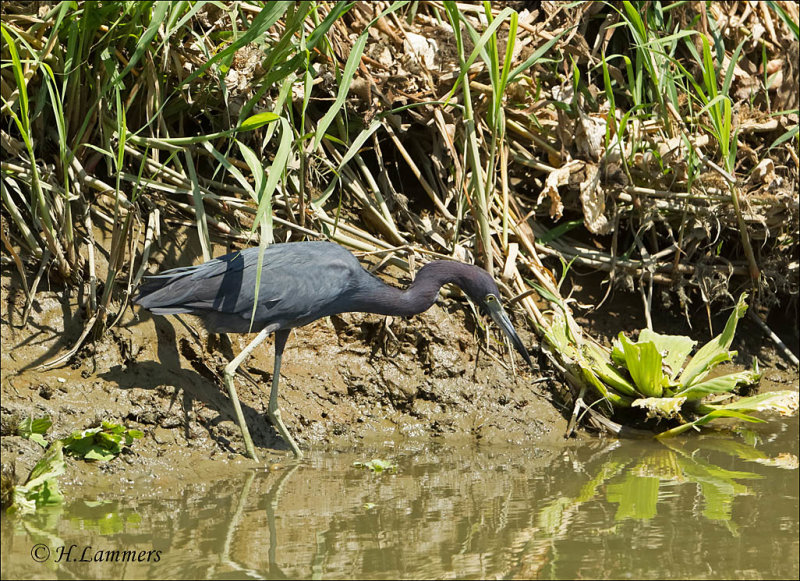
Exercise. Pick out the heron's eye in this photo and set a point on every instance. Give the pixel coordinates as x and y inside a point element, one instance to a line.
<point>490,299</point>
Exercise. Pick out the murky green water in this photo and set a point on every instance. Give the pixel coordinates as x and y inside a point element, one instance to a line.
<point>713,506</point>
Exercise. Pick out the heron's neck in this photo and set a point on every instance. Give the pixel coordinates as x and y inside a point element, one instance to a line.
<point>383,299</point>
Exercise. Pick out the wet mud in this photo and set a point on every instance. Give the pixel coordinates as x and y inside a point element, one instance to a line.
<point>348,382</point>
<point>345,381</point>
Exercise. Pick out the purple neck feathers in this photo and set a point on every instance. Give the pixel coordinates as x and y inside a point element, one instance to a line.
<point>382,299</point>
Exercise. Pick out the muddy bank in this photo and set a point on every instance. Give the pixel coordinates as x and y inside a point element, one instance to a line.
<point>348,381</point>
<point>351,382</point>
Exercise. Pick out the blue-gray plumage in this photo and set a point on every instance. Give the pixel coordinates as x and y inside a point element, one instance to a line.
<point>300,283</point>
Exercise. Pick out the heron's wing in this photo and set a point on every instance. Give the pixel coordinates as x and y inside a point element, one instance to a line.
<point>296,285</point>
<point>299,283</point>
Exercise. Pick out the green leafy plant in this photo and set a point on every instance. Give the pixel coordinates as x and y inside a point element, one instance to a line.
<point>102,443</point>
<point>377,466</point>
<point>654,363</point>
<point>653,373</point>
<point>34,430</point>
<point>41,489</point>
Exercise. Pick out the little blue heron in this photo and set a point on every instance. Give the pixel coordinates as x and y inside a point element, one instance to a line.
<point>300,283</point>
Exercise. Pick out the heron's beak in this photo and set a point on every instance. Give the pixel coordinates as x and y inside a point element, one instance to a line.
<point>500,317</point>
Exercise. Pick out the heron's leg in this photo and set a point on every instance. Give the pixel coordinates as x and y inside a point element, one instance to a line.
<point>274,412</point>
<point>230,371</point>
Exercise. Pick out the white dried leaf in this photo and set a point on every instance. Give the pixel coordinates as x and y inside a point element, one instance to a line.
<point>765,171</point>
<point>562,94</point>
<point>557,177</point>
<point>670,148</point>
<point>593,200</point>
<point>385,57</point>
<point>590,135</point>
<point>232,79</point>
<point>424,48</point>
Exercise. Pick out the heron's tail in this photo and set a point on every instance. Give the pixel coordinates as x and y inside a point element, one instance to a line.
<point>167,293</point>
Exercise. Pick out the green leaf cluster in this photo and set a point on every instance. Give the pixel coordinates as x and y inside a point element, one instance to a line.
<point>377,465</point>
<point>34,430</point>
<point>655,364</point>
<point>41,489</point>
<point>654,373</point>
<point>102,443</point>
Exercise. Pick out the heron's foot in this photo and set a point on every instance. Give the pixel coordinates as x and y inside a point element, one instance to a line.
<point>275,418</point>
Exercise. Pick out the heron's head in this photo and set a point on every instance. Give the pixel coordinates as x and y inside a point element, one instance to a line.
<point>482,289</point>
